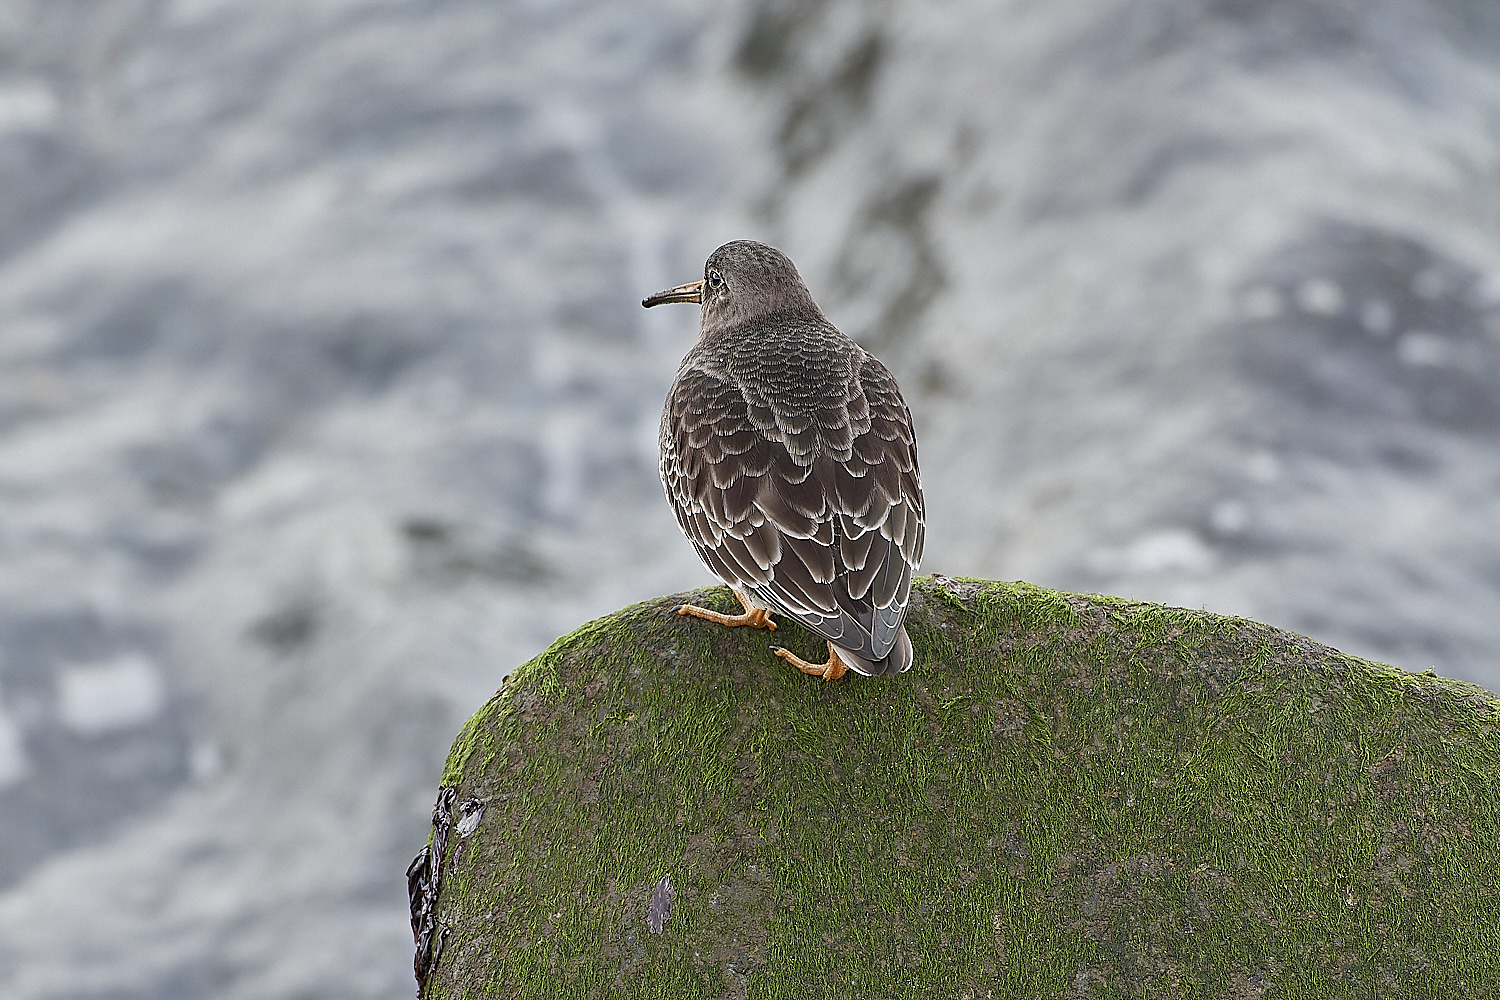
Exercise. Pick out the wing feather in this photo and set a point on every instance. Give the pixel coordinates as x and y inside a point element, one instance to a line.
<point>816,512</point>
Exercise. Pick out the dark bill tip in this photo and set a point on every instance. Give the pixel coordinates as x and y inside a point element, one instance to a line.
<point>690,292</point>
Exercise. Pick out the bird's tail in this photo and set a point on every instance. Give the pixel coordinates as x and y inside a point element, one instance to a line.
<point>896,662</point>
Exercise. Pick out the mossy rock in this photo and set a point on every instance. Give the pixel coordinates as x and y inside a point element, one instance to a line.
<point>1067,796</point>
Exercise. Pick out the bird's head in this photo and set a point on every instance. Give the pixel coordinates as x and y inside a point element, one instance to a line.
<point>743,281</point>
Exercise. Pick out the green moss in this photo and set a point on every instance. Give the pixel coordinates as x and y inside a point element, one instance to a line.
<point>1068,795</point>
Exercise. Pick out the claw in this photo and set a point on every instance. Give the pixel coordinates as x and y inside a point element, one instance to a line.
<point>753,616</point>
<point>830,671</point>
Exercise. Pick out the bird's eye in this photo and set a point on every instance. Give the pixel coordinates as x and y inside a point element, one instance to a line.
<point>715,279</point>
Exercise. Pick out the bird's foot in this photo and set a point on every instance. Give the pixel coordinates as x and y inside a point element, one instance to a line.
<point>753,616</point>
<point>830,671</point>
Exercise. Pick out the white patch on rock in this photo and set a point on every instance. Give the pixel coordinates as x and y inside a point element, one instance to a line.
<point>99,698</point>
<point>469,815</point>
<point>279,485</point>
<point>205,761</point>
<point>1263,467</point>
<point>1261,302</point>
<point>1229,517</point>
<point>1486,292</point>
<point>1171,550</point>
<point>1423,349</point>
<point>1321,297</point>
<point>29,105</point>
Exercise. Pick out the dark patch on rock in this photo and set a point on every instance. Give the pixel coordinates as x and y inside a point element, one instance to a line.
<point>289,628</point>
<point>816,118</point>
<point>133,321</point>
<point>445,553</point>
<point>189,471</point>
<point>1260,33</point>
<point>1352,325</point>
<point>889,263</point>
<point>826,97</point>
<point>43,175</point>
<point>424,880</point>
<point>367,353</point>
<point>766,48</point>
<point>550,177</point>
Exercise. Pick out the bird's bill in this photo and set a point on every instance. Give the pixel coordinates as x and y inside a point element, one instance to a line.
<point>690,292</point>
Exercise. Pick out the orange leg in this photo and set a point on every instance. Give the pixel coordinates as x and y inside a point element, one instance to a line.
<point>830,671</point>
<point>754,617</point>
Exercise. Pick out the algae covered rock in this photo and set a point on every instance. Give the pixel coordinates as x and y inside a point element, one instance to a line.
<point>1067,796</point>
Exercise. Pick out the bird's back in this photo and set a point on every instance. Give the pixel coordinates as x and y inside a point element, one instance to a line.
<point>789,458</point>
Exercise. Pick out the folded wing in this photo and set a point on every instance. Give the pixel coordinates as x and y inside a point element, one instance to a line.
<point>816,512</point>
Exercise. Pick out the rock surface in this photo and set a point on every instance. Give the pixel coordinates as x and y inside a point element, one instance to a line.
<point>1069,795</point>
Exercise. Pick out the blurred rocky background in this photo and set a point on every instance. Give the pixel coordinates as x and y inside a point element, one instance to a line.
<point>326,397</point>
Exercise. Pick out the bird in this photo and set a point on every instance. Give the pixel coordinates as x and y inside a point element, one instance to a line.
<point>789,458</point>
